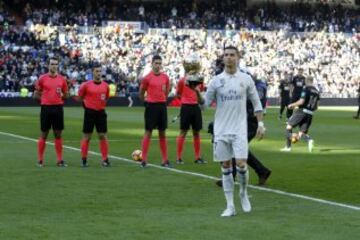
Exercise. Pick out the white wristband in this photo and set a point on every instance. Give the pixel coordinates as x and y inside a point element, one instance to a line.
<point>261,124</point>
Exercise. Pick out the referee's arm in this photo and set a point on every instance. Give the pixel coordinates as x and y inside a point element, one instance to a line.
<point>142,94</point>
<point>37,95</point>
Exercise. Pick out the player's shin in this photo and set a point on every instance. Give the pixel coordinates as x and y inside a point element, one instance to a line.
<point>243,180</point>
<point>180,140</point>
<point>41,148</point>
<point>84,148</point>
<point>243,173</point>
<point>104,148</point>
<point>163,149</point>
<point>288,137</point>
<point>228,186</point>
<point>59,148</point>
<point>197,145</point>
<point>305,137</point>
<point>145,147</point>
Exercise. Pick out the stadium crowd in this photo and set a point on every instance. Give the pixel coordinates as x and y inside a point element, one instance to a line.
<point>332,58</point>
<point>198,14</point>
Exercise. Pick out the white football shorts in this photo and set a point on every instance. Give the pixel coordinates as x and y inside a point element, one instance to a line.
<point>230,146</point>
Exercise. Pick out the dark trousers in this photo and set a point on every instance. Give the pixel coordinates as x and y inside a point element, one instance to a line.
<point>288,111</point>
<point>253,161</point>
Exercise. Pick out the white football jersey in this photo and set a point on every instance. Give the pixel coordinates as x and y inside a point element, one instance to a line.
<point>230,93</point>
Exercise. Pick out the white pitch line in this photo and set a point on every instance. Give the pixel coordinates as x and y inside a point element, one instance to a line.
<point>356,208</point>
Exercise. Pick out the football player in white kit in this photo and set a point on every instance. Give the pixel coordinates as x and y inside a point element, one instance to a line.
<point>230,90</point>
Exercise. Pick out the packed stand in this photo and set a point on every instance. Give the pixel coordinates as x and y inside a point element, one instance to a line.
<point>333,59</point>
<point>296,17</point>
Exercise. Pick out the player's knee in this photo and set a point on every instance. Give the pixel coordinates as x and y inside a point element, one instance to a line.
<point>241,164</point>
<point>183,133</point>
<point>162,134</point>
<point>226,164</point>
<point>87,137</point>
<point>148,133</point>
<point>44,135</point>
<point>102,136</point>
<point>196,133</point>
<point>57,134</point>
<point>288,127</point>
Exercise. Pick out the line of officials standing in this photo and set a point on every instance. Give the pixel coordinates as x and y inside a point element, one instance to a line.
<point>51,90</point>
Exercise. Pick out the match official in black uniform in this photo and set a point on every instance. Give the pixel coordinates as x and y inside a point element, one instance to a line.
<point>284,92</point>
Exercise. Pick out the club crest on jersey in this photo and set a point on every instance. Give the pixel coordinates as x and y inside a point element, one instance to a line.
<point>103,96</point>
<point>58,90</point>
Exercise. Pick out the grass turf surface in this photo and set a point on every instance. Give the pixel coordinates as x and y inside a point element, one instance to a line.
<point>126,202</point>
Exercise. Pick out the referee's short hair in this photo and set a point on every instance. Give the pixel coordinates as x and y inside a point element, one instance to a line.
<point>54,58</point>
<point>96,65</point>
<point>156,57</point>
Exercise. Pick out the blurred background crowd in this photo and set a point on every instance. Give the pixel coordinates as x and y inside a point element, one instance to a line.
<point>275,42</point>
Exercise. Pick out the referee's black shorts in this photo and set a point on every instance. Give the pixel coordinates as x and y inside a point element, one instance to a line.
<point>190,115</point>
<point>51,116</point>
<point>93,118</point>
<point>301,119</point>
<point>155,116</point>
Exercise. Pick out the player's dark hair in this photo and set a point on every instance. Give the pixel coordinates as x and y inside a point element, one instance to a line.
<point>232,48</point>
<point>156,57</point>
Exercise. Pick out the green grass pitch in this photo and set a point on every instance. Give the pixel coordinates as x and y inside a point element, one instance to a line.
<point>127,202</point>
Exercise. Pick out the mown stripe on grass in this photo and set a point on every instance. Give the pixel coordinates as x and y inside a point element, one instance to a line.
<point>294,195</point>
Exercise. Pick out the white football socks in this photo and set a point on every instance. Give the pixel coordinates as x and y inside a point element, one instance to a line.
<point>243,178</point>
<point>228,186</point>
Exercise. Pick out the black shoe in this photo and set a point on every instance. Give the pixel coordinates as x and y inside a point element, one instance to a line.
<point>200,161</point>
<point>263,178</point>
<point>105,163</point>
<point>84,162</point>
<point>356,117</point>
<point>143,164</point>
<point>166,164</point>
<point>179,161</point>
<point>40,164</point>
<point>219,183</point>
<point>61,164</point>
